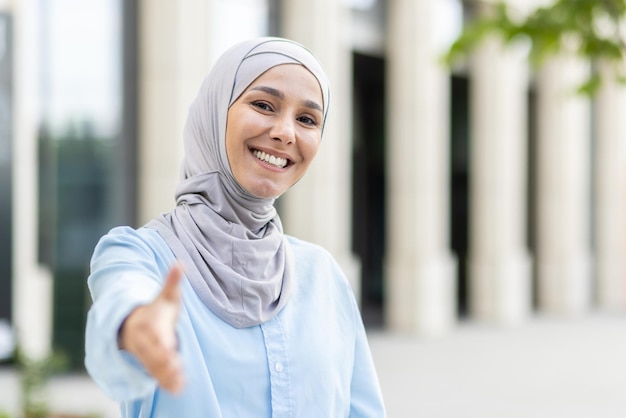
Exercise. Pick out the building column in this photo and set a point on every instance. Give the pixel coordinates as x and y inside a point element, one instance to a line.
<point>318,208</point>
<point>420,271</point>
<point>563,255</point>
<point>32,283</point>
<point>174,59</point>
<point>499,266</point>
<point>179,42</point>
<point>610,194</point>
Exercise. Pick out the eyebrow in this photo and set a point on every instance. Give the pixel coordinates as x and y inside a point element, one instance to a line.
<point>279,94</point>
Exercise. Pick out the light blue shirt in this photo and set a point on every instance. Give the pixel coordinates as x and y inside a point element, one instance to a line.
<point>310,360</point>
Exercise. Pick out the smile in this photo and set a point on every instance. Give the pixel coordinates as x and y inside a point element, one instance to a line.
<point>270,159</point>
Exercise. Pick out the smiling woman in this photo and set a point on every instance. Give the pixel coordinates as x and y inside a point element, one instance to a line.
<point>255,323</point>
<point>274,130</point>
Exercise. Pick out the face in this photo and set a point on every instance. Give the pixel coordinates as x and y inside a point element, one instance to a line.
<point>274,129</point>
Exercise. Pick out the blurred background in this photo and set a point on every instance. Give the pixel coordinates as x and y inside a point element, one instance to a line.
<point>486,193</point>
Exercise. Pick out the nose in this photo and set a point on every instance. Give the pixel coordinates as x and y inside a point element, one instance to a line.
<point>283,130</point>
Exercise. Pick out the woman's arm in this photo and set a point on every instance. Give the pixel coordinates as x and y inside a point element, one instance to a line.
<point>125,275</point>
<point>149,333</point>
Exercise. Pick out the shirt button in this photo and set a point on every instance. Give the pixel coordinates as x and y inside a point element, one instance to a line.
<point>278,367</point>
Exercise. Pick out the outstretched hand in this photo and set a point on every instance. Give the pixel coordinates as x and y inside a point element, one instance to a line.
<point>149,333</point>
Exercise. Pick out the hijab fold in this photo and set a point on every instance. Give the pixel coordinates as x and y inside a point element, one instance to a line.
<point>230,242</point>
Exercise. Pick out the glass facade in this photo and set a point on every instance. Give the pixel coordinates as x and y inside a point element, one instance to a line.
<point>6,178</point>
<point>86,148</point>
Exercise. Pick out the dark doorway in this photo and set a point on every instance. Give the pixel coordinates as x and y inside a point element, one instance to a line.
<point>459,187</point>
<point>368,205</point>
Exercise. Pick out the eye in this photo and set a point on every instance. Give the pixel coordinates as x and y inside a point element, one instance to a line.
<point>262,105</point>
<point>307,120</point>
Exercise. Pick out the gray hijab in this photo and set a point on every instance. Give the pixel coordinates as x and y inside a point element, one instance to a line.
<point>230,242</point>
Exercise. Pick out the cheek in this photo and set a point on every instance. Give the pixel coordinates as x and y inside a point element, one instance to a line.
<point>235,127</point>
<point>310,148</point>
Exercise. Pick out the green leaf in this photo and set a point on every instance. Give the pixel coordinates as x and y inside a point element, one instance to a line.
<point>592,26</point>
<point>591,86</point>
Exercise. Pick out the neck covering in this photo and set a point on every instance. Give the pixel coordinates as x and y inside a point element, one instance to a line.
<point>230,242</point>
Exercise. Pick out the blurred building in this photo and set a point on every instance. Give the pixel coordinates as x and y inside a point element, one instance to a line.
<point>486,191</point>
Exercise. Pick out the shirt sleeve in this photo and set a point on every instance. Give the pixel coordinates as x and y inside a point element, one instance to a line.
<point>366,399</point>
<point>124,275</point>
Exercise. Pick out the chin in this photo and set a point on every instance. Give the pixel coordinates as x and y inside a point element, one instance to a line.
<point>265,192</point>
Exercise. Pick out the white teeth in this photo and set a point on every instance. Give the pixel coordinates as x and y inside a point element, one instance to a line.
<point>277,161</point>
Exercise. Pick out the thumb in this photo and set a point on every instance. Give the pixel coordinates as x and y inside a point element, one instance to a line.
<point>171,291</point>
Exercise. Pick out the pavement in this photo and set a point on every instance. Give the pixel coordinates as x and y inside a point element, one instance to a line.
<point>545,368</point>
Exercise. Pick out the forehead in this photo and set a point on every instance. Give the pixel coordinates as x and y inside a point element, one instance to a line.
<point>293,79</point>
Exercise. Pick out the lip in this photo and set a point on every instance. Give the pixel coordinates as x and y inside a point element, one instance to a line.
<point>289,158</point>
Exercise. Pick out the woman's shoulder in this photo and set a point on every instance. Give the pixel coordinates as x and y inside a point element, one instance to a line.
<point>316,261</point>
<point>313,256</point>
<point>129,233</point>
<point>125,231</point>
<point>301,246</point>
<point>131,250</point>
<point>127,239</point>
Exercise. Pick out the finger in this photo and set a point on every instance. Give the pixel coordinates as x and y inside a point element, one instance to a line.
<point>171,290</point>
<point>174,380</point>
<point>168,373</point>
<point>155,355</point>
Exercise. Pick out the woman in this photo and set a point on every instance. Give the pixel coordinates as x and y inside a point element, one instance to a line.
<point>255,323</point>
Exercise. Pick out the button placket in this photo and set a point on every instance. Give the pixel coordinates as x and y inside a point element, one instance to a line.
<point>278,364</point>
